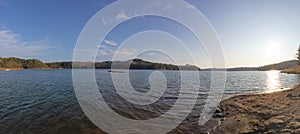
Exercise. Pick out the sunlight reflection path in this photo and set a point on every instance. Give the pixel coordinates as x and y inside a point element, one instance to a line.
<point>273,81</point>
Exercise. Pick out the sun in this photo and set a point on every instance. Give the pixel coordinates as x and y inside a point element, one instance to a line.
<point>272,47</point>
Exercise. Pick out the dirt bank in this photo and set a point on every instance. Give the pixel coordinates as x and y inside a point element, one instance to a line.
<point>277,112</point>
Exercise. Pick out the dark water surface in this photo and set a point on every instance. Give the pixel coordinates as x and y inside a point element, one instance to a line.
<point>44,101</point>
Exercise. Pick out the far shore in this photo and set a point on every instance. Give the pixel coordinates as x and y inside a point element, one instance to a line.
<point>277,112</point>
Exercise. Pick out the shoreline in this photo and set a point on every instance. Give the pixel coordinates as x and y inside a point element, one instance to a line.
<point>292,70</point>
<point>12,69</point>
<point>8,69</point>
<point>276,112</point>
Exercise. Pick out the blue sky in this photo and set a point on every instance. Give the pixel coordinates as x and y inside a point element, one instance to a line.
<point>252,32</point>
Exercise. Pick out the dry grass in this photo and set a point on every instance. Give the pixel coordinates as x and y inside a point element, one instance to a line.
<point>277,112</point>
<point>292,70</point>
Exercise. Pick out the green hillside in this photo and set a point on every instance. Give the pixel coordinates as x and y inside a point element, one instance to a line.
<point>17,63</point>
<point>14,62</point>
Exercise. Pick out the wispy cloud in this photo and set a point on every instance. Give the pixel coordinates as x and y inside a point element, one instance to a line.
<point>103,20</point>
<point>122,15</point>
<point>166,5</point>
<point>11,44</point>
<point>110,42</point>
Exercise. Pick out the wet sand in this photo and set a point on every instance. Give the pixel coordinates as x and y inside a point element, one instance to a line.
<point>271,113</point>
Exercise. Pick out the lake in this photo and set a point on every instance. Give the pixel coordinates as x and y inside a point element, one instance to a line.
<point>44,101</point>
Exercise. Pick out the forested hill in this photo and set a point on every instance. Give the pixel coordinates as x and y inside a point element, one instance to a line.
<point>18,63</point>
<point>131,64</point>
<point>280,66</point>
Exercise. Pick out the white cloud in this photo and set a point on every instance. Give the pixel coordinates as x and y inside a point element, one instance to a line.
<point>125,53</point>
<point>190,6</point>
<point>103,20</point>
<point>121,54</point>
<point>11,44</point>
<point>105,52</point>
<point>168,5</point>
<point>110,42</point>
<point>122,15</point>
<point>103,46</point>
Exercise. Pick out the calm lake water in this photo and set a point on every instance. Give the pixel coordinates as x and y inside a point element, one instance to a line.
<point>44,101</point>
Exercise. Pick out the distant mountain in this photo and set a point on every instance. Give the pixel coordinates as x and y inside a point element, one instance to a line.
<point>280,66</point>
<point>18,63</point>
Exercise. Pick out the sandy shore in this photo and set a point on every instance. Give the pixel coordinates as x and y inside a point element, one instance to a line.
<point>11,68</point>
<point>271,113</point>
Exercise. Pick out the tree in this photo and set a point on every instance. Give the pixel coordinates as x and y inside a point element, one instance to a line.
<point>298,55</point>
<point>12,64</point>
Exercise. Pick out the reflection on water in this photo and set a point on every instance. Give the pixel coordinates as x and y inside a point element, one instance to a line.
<point>273,81</point>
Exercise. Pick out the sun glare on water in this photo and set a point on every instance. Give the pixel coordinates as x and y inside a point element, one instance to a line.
<point>272,81</point>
